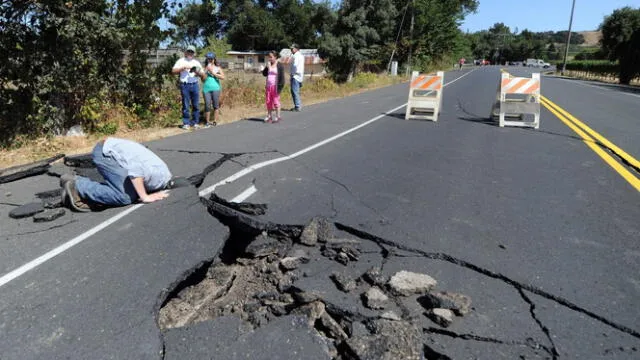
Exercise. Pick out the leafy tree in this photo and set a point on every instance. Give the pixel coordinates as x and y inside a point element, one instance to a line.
<point>53,61</point>
<point>196,23</point>
<point>254,28</point>
<point>217,46</point>
<point>361,29</point>
<point>62,61</point>
<point>620,39</point>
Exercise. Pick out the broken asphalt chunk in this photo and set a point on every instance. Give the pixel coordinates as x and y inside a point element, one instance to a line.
<point>26,170</point>
<point>313,311</point>
<point>309,234</point>
<point>442,317</point>
<point>263,246</point>
<point>319,229</point>
<point>460,304</point>
<point>290,263</point>
<point>390,340</point>
<point>406,283</point>
<point>331,327</point>
<point>390,315</point>
<point>375,298</point>
<point>299,253</point>
<point>79,161</point>
<point>343,282</point>
<point>26,210</point>
<point>49,215</point>
<point>243,207</point>
<point>375,277</point>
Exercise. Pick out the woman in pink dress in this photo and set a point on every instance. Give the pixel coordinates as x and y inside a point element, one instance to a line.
<point>274,71</point>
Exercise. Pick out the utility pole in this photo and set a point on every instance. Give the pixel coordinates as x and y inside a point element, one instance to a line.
<point>566,50</point>
<point>413,2</point>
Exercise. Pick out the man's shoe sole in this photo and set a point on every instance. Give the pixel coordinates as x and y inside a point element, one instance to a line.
<point>72,204</point>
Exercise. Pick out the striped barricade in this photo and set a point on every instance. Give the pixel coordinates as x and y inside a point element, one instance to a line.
<point>425,96</point>
<point>518,101</point>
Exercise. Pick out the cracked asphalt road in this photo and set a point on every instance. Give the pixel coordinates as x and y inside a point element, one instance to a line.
<point>538,207</point>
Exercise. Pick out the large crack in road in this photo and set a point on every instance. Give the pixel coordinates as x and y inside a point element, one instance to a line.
<point>267,271</point>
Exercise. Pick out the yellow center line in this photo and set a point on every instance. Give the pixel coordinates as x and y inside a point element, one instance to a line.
<point>628,158</point>
<point>591,143</point>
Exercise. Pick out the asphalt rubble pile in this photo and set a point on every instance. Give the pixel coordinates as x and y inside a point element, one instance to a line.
<point>334,283</point>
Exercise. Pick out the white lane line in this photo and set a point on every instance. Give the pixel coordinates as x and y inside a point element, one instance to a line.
<point>64,247</point>
<point>257,166</point>
<point>604,89</point>
<point>245,194</point>
<point>5,279</point>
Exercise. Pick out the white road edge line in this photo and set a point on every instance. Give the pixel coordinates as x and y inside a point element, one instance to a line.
<point>64,247</point>
<point>603,89</point>
<point>14,274</point>
<point>245,194</point>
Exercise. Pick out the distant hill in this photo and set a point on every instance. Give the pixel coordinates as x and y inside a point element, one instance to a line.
<point>591,38</point>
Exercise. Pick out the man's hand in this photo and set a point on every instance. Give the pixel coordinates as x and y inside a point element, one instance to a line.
<point>157,196</point>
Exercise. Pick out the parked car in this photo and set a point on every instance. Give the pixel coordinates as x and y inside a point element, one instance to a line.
<point>537,63</point>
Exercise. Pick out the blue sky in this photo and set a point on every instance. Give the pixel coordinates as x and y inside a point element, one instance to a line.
<point>541,15</point>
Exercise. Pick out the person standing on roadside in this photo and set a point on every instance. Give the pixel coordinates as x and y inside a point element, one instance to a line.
<point>189,70</point>
<point>212,88</point>
<point>297,76</point>
<point>274,71</point>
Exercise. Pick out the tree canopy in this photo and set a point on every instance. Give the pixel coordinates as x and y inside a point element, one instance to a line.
<point>621,41</point>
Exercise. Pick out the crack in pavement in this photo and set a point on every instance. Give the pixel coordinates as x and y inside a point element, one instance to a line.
<point>237,221</point>
<point>543,328</point>
<point>197,179</point>
<point>214,152</point>
<point>495,275</point>
<point>471,337</point>
<point>383,219</point>
<point>9,204</point>
<point>43,230</point>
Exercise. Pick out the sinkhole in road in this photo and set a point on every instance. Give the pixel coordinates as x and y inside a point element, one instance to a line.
<point>328,278</point>
<point>333,277</point>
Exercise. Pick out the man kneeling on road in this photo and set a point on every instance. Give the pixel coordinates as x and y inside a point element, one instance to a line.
<point>131,173</point>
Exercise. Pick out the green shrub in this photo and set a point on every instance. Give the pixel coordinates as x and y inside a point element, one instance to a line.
<point>598,67</point>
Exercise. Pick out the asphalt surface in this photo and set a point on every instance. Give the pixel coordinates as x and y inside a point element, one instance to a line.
<point>537,206</point>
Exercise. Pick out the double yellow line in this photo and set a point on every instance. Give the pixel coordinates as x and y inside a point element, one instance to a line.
<point>596,141</point>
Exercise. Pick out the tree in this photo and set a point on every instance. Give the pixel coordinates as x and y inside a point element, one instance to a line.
<point>361,29</point>
<point>217,46</point>
<point>620,33</point>
<point>63,60</point>
<point>53,61</point>
<point>196,23</point>
<point>255,28</point>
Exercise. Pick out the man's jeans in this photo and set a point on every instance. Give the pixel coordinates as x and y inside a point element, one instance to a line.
<point>117,189</point>
<point>190,97</point>
<point>295,92</point>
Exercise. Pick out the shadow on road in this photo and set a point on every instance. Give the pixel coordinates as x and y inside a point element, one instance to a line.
<point>479,120</point>
<point>255,119</point>
<point>396,115</point>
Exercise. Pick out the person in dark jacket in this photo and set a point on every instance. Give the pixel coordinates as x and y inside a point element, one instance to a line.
<point>274,71</point>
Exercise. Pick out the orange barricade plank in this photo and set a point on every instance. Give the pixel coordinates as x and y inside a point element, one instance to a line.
<point>430,82</point>
<point>417,81</point>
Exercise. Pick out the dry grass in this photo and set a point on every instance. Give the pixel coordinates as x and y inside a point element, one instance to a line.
<point>591,38</point>
<point>237,108</point>
<point>595,77</point>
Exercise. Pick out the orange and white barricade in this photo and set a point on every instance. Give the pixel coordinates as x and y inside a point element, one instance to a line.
<point>425,96</point>
<point>518,101</point>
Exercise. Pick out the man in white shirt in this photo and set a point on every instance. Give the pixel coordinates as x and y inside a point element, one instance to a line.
<point>297,75</point>
<point>189,69</point>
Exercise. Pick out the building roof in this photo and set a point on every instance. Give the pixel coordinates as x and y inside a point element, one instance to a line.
<point>247,52</point>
